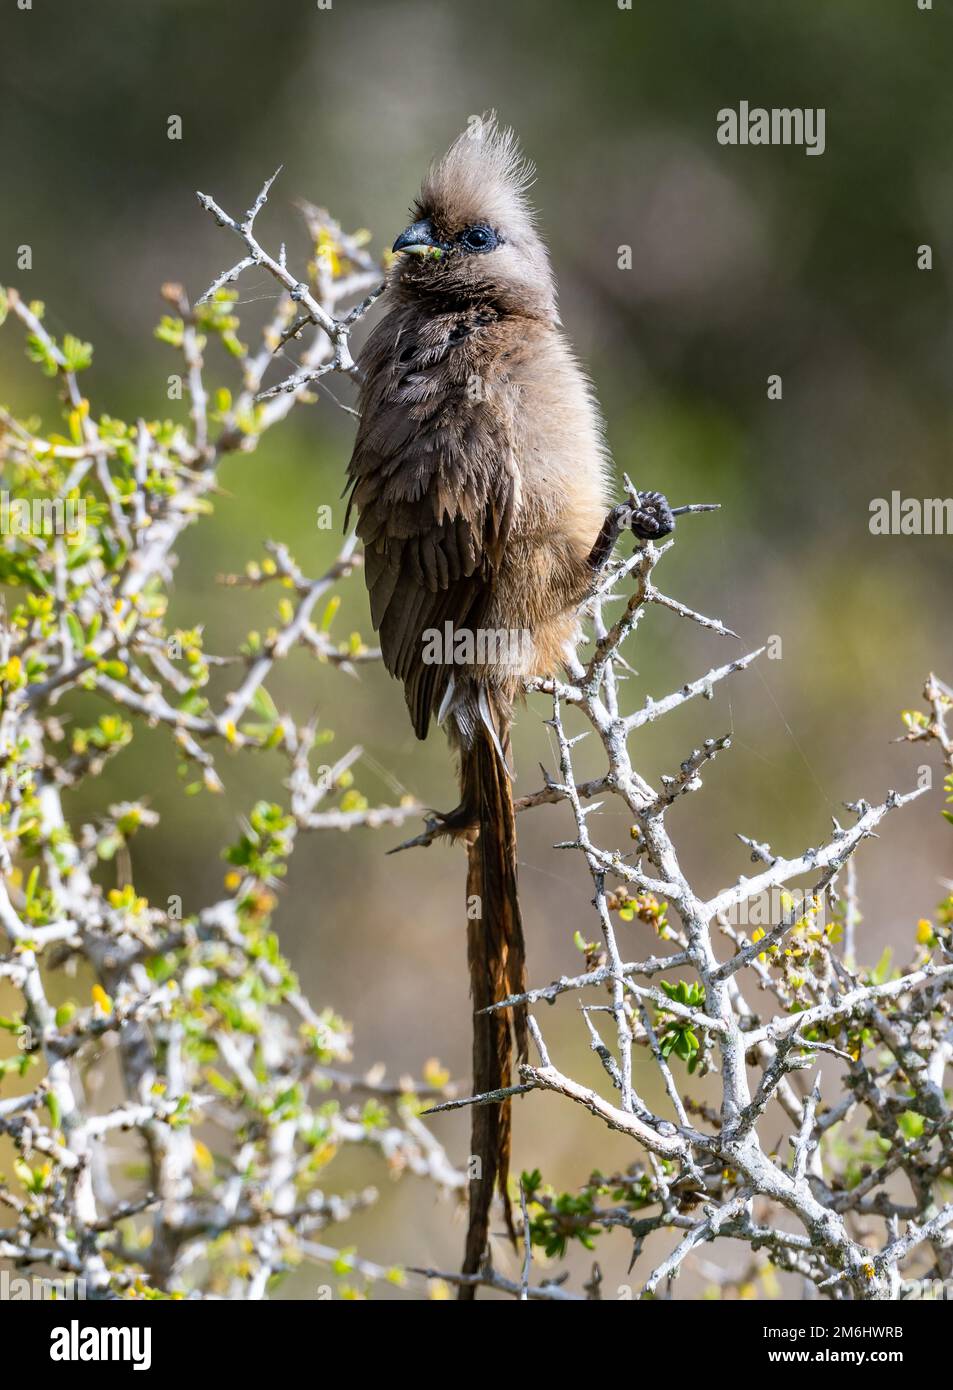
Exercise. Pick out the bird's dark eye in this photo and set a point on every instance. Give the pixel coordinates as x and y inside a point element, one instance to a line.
<point>478,238</point>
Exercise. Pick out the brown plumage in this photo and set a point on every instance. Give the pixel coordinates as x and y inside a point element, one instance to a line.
<point>479,477</point>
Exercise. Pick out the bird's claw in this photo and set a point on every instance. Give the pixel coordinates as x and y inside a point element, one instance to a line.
<point>647,515</point>
<point>441,825</point>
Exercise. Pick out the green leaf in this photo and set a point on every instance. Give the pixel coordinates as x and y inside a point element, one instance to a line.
<point>53,1106</point>
<point>78,354</point>
<point>170,331</point>
<point>327,618</point>
<point>264,706</point>
<point>881,972</point>
<point>911,1124</point>
<point>31,884</point>
<point>531,1181</point>
<point>42,354</point>
<point>77,636</point>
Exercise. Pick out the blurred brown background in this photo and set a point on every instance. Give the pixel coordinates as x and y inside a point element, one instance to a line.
<point>747,262</point>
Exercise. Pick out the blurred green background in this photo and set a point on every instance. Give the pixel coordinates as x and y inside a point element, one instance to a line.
<point>746,262</point>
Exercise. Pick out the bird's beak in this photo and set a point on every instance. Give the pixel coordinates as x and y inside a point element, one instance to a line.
<point>419,240</point>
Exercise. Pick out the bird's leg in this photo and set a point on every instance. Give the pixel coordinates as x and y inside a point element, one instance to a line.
<point>646,514</point>
<point>460,824</point>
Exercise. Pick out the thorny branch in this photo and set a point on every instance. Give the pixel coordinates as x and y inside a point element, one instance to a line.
<point>826,1005</point>
<point>234,1087</point>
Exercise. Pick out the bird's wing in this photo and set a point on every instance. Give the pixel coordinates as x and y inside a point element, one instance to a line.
<point>434,482</point>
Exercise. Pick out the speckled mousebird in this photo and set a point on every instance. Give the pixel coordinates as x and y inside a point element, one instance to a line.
<point>480,478</point>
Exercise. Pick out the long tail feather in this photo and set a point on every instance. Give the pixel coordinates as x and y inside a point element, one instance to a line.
<point>497,962</point>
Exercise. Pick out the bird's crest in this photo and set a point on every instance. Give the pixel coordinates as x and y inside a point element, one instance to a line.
<point>483,177</point>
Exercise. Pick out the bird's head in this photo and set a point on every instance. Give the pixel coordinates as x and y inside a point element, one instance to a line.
<point>472,237</point>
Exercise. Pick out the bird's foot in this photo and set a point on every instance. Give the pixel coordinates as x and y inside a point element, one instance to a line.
<point>458,824</point>
<point>647,515</point>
